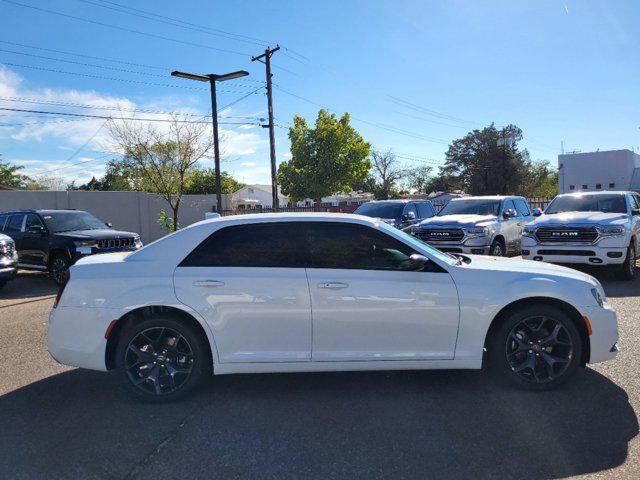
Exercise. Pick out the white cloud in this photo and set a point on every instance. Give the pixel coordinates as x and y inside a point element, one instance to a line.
<point>248,164</point>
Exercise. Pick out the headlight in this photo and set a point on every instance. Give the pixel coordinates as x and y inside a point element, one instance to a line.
<point>612,231</point>
<point>478,231</point>
<point>598,296</point>
<point>529,230</point>
<point>85,243</point>
<point>137,242</point>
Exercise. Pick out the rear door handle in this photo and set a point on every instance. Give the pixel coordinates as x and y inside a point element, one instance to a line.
<point>333,285</point>
<point>208,283</point>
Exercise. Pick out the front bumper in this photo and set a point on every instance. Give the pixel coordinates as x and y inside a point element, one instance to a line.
<point>604,336</point>
<point>8,267</point>
<point>472,246</point>
<point>578,254</point>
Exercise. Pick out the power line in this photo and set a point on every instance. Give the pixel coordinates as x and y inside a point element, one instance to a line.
<point>124,29</point>
<point>428,111</point>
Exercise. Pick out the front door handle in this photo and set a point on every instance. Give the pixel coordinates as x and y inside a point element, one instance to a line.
<point>333,285</point>
<point>208,283</point>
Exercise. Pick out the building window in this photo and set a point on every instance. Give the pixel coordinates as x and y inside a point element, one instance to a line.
<point>598,186</point>
<point>612,185</point>
<point>584,187</point>
<point>572,187</point>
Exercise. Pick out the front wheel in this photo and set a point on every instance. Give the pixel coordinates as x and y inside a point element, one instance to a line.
<point>58,268</point>
<point>627,270</point>
<point>497,249</point>
<point>161,359</point>
<point>537,347</point>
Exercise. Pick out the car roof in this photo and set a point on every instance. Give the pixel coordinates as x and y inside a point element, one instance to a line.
<point>290,217</point>
<point>42,212</point>
<point>601,192</point>
<point>486,197</point>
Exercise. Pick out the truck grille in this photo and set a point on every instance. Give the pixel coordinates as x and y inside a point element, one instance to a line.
<point>441,234</point>
<point>566,234</point>
<point>115,243</point>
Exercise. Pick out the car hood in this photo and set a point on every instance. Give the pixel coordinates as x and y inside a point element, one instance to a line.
<point>584,218</point>
<point>459,220</point>
<point>518,266</point>
<point>102,234</point>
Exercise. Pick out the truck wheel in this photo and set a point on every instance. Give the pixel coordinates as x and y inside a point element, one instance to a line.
<point>497,249</point>
<point>58,267</point>
<point>537,347</point>
<point>627,270</point>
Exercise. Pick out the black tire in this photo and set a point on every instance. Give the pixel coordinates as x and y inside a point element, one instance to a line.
<point>180,367</point>
<point>517,355</point>
<point>627,271</point>
<point>58,267</point>
<point>497,248</point>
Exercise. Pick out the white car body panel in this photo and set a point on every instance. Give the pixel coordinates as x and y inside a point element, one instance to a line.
<point>277,320</point>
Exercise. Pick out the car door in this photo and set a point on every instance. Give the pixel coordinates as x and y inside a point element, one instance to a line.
<point>524,216</point>
<point>367,306</point>
<point>635,219</point>
<point>510,227</point>
<point>249,283</point>
<point>13,228</point>
<point>34,241</point>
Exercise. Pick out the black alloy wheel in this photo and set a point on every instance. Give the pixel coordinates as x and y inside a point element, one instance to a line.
<point>627,270</point>
<point>497,249</point>
<point>539,349</point>
<point>162,359</point>
<point>58,268</point>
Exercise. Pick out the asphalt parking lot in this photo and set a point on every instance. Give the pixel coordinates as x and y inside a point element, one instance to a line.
<point>59,422</point>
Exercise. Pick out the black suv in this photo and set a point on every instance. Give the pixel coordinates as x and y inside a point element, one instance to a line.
<point>399,213</point>
<point>54,239</point>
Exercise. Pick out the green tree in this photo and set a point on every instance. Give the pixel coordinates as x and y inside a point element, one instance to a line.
<point>418,178</point>
<point>10,176</point>
<point>387,172</point>
<point>327,159</point>
<point>488,161</point>
<point>203,181</point>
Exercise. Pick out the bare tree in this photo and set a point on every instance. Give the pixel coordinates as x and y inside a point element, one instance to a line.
<point>161,161</point>
<point>387,170</point>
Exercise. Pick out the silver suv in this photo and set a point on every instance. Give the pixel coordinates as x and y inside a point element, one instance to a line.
<point>478,225</point>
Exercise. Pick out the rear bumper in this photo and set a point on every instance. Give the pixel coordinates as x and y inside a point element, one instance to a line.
<point>75,336</point>
<point>604,337</point>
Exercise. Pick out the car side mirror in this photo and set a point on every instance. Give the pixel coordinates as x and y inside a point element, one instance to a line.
<point>407,217</point>
<point>109,224</point>
<point>418,261</point>
<point>635,211</point>
<point>510,213</point>
<point>35,229</point>
<point>537,212</point>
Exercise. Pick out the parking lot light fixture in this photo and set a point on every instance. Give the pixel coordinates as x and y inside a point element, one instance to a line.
<point>212,78</point>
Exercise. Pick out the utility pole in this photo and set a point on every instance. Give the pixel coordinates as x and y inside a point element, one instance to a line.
<point>272,141</point>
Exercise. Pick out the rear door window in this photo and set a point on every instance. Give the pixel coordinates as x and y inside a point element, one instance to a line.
<point>3,220</point>
<point>263,245</point>
<point>14,225</point>
<point>32,221</point>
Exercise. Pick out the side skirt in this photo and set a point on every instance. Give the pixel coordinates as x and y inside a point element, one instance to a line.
<point>284,367</point>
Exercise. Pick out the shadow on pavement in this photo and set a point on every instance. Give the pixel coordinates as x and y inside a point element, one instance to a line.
<point>340,425</point>
<point>28,285</point>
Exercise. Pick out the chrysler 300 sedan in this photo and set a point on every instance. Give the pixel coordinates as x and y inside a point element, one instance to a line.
<point>321,292</point>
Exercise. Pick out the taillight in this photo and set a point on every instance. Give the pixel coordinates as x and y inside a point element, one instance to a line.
<point>65,280</point>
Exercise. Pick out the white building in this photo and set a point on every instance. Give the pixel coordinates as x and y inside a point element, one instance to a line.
<point>255,196</point>
<point>593,171</point>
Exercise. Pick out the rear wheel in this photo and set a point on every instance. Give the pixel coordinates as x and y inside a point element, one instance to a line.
<point>627,270</point>
<point>497,248</point>
<point>58,267</point>
<point>537,347</point>
<point>161,359</point>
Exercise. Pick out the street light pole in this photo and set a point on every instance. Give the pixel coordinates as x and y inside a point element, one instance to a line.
<point>212,78</point>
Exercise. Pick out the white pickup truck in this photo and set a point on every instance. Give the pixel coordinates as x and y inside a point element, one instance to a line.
<point>593,228</point>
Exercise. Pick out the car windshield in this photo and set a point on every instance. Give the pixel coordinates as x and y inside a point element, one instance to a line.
<point>614,203</point>
<point>380,210</point>
<point>67,221</point>
<point>415,241</point>
<point>471,207</point>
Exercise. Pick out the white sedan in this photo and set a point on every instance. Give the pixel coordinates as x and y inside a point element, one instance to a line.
<point>321,292</point>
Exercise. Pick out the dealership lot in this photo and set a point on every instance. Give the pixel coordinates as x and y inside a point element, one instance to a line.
<point>59,422</point>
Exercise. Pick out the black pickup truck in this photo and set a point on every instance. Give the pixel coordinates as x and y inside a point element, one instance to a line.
<point>52,240</point>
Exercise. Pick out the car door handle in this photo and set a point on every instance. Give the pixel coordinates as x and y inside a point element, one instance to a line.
<point>208,283</point>
<point>333,285</point>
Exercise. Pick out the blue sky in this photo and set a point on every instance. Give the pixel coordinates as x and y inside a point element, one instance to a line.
<point>414,74</point>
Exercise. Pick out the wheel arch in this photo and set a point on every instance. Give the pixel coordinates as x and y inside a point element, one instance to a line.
<point>566,307</point>
<point>142,313</point>
<point>57,250</point>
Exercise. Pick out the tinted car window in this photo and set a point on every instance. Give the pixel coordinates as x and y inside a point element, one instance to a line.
<point>14,224</point>
<point>508,205</point>
<point>411,208</point>
<point>614,203</point>
<point>380,210</point>
<point>522,208</point>
<point>471,207</point>
<point>425,210</point>
<point>635,203</point>
<point>255,245</point>
<point>3,220</point>
<point>349,246</point>
<point>32,220</point>
<point>69,221</point>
